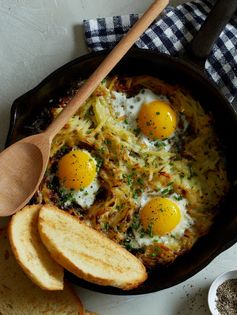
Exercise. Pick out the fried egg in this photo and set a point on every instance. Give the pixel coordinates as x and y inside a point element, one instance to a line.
<point>149,115</point>
<point>164,219</point>
<point>77,174</point>
<point>127,108</point>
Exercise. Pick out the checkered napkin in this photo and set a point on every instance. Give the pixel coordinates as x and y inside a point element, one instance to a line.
<point>170,34</point>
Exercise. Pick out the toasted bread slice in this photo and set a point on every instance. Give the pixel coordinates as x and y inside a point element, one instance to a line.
<point>87,253</point>
<point>30,252</point>
<point>20,296</point>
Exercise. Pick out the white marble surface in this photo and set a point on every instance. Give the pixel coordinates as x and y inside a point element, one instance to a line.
<point>36,37</point>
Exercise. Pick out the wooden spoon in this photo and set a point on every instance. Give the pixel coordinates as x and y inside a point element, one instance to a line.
<point>23,164</point>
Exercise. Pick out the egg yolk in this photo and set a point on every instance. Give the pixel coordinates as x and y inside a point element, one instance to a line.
<point>157,120</point>
<point>161,215</point>
<point>76,169</point>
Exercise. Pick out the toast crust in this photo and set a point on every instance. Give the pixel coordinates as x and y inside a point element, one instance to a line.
<point>112,264</point>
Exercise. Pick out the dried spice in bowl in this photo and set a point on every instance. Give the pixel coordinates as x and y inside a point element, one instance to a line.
<point>226,294</point>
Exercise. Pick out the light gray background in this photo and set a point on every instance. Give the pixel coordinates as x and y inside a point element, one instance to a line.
<point>36,37</point>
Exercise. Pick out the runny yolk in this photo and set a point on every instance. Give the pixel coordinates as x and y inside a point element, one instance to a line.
<point>157,120</point>
<point>76,169</point>
<point>161,215</point>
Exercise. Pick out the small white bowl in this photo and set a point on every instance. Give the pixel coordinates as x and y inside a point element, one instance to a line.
<point>215,284</point>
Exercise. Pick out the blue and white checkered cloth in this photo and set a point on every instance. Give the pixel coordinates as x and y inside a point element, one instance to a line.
<point>171,34</point>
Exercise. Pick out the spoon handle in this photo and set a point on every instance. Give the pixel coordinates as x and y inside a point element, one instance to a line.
<point>106,66</point>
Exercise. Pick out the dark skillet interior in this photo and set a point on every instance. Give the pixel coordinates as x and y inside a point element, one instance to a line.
<point>224,230</point>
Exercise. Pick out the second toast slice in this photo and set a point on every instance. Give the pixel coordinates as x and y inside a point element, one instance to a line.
<point>85,252</point>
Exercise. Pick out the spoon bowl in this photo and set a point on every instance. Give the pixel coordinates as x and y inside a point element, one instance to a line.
<point>22,167</point>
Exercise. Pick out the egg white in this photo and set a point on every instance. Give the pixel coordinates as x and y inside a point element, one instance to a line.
<point>86,197</point>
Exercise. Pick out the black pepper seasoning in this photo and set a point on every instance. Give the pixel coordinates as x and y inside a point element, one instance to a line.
<point>226,293</point>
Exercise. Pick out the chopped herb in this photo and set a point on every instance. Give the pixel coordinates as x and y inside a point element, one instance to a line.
<point>165,191</point>
<point>127,244</point>
<point>137,130</point>
<point>65,196</point>
<point>107,141</point>
<point>136,193</point>
<point>191,172</point>
<point>89,113</point>
<point>135,224</point>
<point>106,226</point>
<point>119,207</point>
<point>50,185</point>
<point>178,198</point>
<point>125,121</point>
<point>149,230</point>
<point>161,209</point>
<point>99,163</point>
<point>159,144</point>
<point>157,113</point>
<point>128,178</point>
<point>64,149</point>
<point>102,150</point>
<point>140,181</point>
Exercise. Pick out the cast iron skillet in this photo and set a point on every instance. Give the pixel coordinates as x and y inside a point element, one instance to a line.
<point>173,70</point>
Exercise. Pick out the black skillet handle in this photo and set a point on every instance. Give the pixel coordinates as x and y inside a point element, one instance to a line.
<point>202,43</point>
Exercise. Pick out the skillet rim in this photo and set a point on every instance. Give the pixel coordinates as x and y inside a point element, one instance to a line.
<point>189,66</point>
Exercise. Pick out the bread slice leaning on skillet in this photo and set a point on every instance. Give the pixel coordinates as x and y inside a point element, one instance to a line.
<point>87,253</point>
<point>30,252</point>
